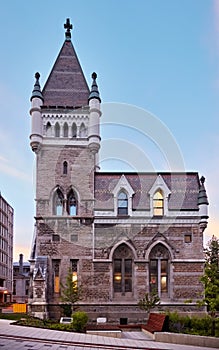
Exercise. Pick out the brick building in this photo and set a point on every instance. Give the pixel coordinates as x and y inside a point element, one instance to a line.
<point>122,234</point>
<point>6,250</point>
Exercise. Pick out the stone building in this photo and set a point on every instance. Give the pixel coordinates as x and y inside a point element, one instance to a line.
<point>121,234</point>
<point>6,249</point>
<point>21,280</point>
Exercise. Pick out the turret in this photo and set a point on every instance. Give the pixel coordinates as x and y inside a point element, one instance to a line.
<point>94,121</point>
<point>203,205</point>
<point>35,112</point>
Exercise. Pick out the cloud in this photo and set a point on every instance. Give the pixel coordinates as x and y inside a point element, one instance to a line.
<point>8,169</point>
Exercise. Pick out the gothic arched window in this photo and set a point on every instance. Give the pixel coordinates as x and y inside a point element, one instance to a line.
<point>159,270</point>
<point>65,168</point>
<point>58,202</point>
<point>71,203</point>
<point>122,203</point>
<point>57,130</point>
<point>158,204</point>
<point>122,270</point>
<point>65,130</point>
<point>74,130</point>
<point>48,129</point>
<point>82,131</point>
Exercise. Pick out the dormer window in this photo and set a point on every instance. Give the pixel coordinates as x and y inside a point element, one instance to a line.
<point>158,204</point>
<point>122,203</point>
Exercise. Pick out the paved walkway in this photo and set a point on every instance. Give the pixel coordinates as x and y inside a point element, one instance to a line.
<point>55,340</point>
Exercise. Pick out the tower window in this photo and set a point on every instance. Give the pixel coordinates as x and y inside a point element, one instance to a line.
<point>74,130</point>
<point>58,202</point>
<point>71,204</point>
<point>48,129</point>
<point>82,131</point>
<point>122,203</point>
<point>65,168</point>
<point>57,130</point>
<point>65,130</point>
<point>158,207</point>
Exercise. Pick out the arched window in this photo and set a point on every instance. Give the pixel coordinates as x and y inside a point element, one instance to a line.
<point>58,202</point>
<point>65,130</point>
<point>158,204</point>
<point>48,129</point>
<point>57,130</point>
<point>82,131</point>
<point>74,130</point>
<point>122,203</point>
<point>65,168</point>
<point>71,203</point>
<point>159,270</point>
<point>122,271</point>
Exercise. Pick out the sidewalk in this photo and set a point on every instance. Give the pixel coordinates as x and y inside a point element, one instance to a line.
<point>80,339</point>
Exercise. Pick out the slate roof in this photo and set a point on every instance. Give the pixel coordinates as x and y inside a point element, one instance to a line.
<point>66,84</point>
<point>184,189</point>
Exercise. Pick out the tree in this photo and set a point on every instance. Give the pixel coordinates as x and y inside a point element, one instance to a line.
<point>149,301</point>
<point>70,292</point>
<point>210,279</point>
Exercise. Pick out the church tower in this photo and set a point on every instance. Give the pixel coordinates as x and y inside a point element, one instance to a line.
<point>65,139</point>
<point>120,234</point>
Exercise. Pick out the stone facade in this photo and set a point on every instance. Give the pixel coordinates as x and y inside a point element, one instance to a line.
<point>120,234</point>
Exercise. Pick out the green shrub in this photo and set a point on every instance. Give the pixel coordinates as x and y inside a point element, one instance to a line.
<point>191,325</point>
<point>80,320</point>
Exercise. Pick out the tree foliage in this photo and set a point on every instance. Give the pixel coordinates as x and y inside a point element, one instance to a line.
<point>149,301</point>
<point>210,279</point>
<point>70,292</point>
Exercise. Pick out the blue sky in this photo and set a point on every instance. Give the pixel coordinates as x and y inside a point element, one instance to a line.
<point>160,56</point>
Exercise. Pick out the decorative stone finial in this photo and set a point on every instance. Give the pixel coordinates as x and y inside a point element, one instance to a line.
<point>202,180</point>
<point>94,88</point>
<point>68,27</point>
<point>37,90</point>
<point>202,196</point>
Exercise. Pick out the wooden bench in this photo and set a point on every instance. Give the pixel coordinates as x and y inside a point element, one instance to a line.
<point>156,323</point>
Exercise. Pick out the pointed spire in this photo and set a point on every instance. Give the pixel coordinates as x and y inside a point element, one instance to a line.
<point>36,90</point>
<point>94,88</point>
<point>202,196</point>
<point>68,27</point>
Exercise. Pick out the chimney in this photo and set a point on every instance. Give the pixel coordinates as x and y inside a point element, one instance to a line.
<point>21,264</point>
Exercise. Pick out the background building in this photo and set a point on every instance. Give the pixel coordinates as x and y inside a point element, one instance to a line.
<point>21,280</point>
<point>121,234</point>
<point>6,250</point>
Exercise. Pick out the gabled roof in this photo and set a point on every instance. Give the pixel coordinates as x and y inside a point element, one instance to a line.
<point>66,84</point>
<point>184,189</point>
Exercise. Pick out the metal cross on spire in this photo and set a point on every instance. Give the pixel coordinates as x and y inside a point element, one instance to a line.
<point>68,27</point>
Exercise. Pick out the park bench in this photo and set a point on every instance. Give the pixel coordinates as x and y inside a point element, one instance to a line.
<point>155,323</point>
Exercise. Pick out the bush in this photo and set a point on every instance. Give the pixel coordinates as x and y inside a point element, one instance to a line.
<point>80,320</point>
<point>191,325</point>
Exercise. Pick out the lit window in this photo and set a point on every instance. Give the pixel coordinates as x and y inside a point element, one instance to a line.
<point>158,268</point>
<point>122,271</point>
<point>188,238</point>
<point>122,203</point>
<point>56,278</point>
<point>74,267</point>
<point>158,207</point>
